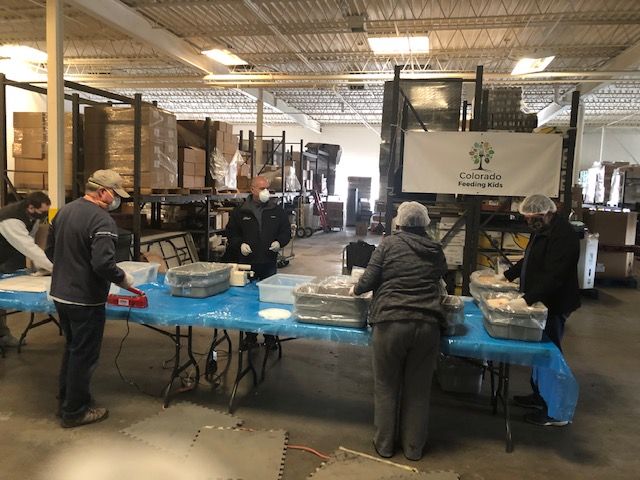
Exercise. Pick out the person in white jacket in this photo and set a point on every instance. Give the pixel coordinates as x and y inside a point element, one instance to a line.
<point>19,223</point>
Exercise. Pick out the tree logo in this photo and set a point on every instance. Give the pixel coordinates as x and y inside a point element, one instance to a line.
<point>481,153</point>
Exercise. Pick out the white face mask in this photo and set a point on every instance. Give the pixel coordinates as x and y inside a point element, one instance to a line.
<point>115,204</point>
<point>264,196</point>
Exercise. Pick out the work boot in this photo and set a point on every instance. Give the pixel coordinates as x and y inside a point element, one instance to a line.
<point>10,341</point>
<point>92,415</point>
<point>529,401</point>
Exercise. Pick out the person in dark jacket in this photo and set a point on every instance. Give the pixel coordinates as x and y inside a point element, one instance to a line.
<point>82,244</point>
<point>404,273</point>
<point>257,230</point>
<point>549,274</point>
<point>19,223</point>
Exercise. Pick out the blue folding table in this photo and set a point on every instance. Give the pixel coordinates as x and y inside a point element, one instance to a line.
<point>238,309</point>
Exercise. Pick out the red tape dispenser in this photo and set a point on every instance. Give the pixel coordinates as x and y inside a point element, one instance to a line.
<point>138,300</point>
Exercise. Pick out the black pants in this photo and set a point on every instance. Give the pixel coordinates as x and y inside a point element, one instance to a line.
<point>554,329</point>
<point>262,271</point>
<point>83,328</point>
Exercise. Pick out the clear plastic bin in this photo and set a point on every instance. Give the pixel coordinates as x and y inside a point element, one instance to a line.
<point>460,375</point>
<point>337,308</point>
<point>501,321</point>
<point>453,308</point>
<point>198,280</point>
<point>483,282</point>
<point>279,287</point>
<point>142,272</point>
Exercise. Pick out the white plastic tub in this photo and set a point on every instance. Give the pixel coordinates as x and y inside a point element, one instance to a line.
<point>279,287</point>
<point>142,272</point>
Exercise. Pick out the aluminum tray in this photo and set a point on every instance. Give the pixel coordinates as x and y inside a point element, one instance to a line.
<point>513,332</point>
<point>326,309</point>
<point>198,280</point>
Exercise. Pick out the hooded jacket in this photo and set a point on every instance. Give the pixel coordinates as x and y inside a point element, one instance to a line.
<point>551,274</point>
<point>404,273</point>
<point>259,234</point>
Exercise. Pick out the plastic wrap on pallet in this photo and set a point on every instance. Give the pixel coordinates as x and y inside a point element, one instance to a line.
<point>453,308</point>
<point>200,279</point>
<point>292,184</point>
<point>327,301</point>
<point>484,281</point>
<point>225,173</point>
<point>503,321</point>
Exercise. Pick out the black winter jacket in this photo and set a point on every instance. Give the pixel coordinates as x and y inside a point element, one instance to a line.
<point>82,246</point>
<point>243,227</point>
<point>551,274</point>
<point>404,273</point>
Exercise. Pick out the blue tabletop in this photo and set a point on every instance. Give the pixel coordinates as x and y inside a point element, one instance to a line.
<point>238,307</point>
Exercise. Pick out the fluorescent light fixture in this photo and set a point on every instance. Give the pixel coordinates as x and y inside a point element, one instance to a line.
<point>23,53</point>
<point>397,45</point>
<point>224,57</point>
<point>531,65</point>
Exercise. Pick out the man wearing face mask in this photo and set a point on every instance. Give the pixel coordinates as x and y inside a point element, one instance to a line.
<point>19,223</point>
<point>549,274</point>
<point>82,243</point>
<point>256,232</point>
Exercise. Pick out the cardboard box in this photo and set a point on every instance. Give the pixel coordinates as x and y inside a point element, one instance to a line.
<point>515,241</point>
<point>614,265</point>
<point>189,181</point>
<point>454,255</point>
<point>189,169</point>
<point>484,242</point>
<point>362,228</point>
<point>219,139</point>
<point>32,173</point>
<point>614,228</point>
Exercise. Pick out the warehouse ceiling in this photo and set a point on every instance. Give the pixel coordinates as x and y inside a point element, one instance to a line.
<point>313,58</point>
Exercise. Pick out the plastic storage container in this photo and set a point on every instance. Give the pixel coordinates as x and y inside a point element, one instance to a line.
<point>483,282</point>
<point>453,308</point>
<point>460,375</point>
<point>326,301</point>
<point>142,272</point>
<point>198,280</point>
<point>501,321</point>
<point>279,287</point>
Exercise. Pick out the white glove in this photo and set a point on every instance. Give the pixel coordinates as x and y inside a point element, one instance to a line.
<point>245,249</point>
<point>352,291</point>
<point>41,272</point>
<point>518,304</point>
<point>127,282</point>
<point>275,246</point>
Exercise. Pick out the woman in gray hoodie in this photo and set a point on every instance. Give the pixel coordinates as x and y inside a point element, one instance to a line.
<point>404,273</point>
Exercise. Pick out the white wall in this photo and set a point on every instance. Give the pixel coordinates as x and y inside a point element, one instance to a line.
<point>621,144</point>
<point>360,149</point>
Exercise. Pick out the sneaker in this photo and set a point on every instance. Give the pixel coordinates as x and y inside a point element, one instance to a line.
<point>92,415</point>
<point>529,401</point>
<point>544,420</point>
<point>10,341</point>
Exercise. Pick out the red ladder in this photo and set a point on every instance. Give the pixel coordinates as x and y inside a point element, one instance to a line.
<point>321,210</point>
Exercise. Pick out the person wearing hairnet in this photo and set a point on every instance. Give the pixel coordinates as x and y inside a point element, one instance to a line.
<point>404,273</point>
<point>549,274</point>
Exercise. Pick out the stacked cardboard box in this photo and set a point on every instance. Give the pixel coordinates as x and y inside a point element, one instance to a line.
<point>191,167</point>
<point>505,111</point>
<point>335,214</point>
<point>109,133</point>
<point>30,150</point>
<point>615,229</point>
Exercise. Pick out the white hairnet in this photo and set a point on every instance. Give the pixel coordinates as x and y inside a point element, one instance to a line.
<point>412,214</point>
<point>537,204</point>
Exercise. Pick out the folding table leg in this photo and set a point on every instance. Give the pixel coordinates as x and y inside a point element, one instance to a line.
<point>242,371</point>
<point>33,324</point>
<point>507,411</point>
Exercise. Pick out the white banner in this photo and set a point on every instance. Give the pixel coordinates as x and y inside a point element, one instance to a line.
<point>482,163</point>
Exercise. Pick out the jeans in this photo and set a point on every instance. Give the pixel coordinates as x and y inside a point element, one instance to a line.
<point>404,357</point>
<point>83,329</point>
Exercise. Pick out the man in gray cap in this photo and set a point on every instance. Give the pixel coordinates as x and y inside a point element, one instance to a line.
<point>82,244</point>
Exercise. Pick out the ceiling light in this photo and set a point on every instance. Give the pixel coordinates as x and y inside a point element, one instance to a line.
<point>396,45</point>
<point>531,65</point>
<point>23,53</point>
<point>224,57</point>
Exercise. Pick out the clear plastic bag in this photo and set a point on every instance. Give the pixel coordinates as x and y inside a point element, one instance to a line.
<point>484,281</point>
<point>200,279</point>
<point>501,320</point>
<point>453,309</point>
<point>326,301</point>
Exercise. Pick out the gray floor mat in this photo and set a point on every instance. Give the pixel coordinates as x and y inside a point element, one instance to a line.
<point>228,454</point>
<point>174,428</point>
<point>345,465</point>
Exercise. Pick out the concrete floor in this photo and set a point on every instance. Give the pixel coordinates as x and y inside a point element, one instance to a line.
<point>321,393</point>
